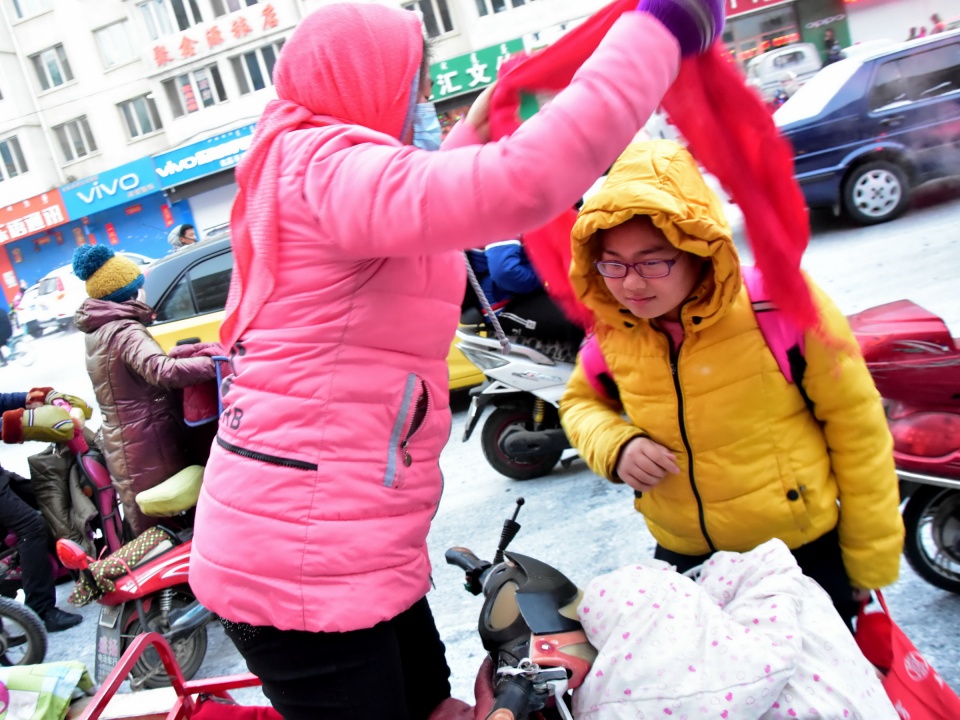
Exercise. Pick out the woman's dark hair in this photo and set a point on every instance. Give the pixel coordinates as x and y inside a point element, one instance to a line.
<point>185,227</point>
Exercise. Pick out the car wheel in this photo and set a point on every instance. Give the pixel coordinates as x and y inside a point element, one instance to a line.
<point>876,192</point>
<point>34,328</point>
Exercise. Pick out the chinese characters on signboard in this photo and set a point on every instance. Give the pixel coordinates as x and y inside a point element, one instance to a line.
<point>206,37</point>
<point>470,72</point>
<point>738,7</point>
<point>33,215</point>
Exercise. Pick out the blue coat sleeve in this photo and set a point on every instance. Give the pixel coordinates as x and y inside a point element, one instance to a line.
<point>510,268</point>
<point>12,401</point>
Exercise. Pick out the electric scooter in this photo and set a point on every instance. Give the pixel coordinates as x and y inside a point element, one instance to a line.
<point>915,364</point>
<point>105,532</point>
<point>152,594</point>
<point>522,437</point>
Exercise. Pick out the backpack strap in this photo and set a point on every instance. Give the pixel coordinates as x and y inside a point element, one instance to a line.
<point>784,338</point>
<point>596,369</point>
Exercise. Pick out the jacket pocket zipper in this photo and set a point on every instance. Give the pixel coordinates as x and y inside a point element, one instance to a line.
<point>398,451</point>
<point>263,457</point>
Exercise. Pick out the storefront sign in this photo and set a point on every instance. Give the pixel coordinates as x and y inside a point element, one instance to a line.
<point>31,216</point>
<point>738,7</point>
<point>470,72</point>
<point>205,39</point>
<point>204,157</point>
<point>110,188</point>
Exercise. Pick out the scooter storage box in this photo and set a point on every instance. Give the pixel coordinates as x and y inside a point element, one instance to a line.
<point>910,353</point>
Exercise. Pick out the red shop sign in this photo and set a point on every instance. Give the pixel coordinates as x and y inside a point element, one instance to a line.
<point>738,7</point>
<point>32,215</point>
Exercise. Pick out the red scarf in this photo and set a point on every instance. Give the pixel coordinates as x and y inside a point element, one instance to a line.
<point>727,128</point>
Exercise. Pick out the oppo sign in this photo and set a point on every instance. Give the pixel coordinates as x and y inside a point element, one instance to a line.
<point>111,188</point>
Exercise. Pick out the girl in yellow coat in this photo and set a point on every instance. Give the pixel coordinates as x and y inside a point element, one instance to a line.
<point>722,451</point>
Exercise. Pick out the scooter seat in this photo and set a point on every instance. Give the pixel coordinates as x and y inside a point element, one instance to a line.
<point>174,495</point>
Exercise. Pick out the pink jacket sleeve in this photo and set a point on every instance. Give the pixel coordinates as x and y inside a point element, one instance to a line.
<point>418,203</point>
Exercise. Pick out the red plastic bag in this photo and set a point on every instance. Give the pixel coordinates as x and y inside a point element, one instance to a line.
<point>916,690</point>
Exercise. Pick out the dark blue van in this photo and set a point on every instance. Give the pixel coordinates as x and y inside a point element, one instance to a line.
<point>867,130</point>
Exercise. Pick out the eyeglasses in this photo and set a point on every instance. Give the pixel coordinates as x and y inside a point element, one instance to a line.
<point>645,269</point>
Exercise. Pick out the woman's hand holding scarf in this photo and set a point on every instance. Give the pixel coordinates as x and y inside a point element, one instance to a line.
<point>696,24</point>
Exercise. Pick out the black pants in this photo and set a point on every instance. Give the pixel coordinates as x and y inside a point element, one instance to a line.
<point>18,515</point>
<point>395,670</point>
<point>820,560</point>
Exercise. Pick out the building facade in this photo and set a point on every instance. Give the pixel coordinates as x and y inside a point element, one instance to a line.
<point>120,119</point>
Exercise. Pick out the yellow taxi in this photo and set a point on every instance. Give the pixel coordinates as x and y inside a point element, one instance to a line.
<point>188,290</point>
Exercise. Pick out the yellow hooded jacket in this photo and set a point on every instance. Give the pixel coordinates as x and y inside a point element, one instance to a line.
<point>755,463</point>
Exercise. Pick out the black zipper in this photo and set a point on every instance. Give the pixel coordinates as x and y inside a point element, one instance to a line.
<point>263,457</point>
<point>675,372</point>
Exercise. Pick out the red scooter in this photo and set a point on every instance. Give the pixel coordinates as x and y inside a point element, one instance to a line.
<point>152,595</point>
<point>915,364</point>
<point>106,530</point>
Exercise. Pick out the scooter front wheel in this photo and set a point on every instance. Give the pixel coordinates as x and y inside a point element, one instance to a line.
<point>500,423</point>
<point>23,639</point>
<point>932,543</point>
<point>190,651</point>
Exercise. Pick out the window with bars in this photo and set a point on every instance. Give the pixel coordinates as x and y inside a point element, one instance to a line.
<point>435,16</point>
<point>116,43</point>
<point>195,90</point>
<point>254,70</point>
<point>52,67</point>
<point>75,139</point>
<point>11,159</point>
<point>27,8</point>
<point>164,17</point>
<point>225,7</point>
<point>140,116</point>
<point>491,7</point>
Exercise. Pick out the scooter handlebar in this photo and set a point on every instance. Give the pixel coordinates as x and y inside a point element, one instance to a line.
<point>79,444</point>
<point>464,559</point>
<point>511,698</point>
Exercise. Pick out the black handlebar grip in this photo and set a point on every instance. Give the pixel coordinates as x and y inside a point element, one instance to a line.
<point>512,695</point>
<point>464,559</point>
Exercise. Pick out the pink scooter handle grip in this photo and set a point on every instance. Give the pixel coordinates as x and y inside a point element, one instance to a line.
<point>78,445</point>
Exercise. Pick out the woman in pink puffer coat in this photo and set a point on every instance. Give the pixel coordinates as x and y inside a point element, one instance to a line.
<point>311,528</point>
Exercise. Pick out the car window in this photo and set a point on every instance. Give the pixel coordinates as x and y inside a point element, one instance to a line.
<point>202,290</point>
<point>788,59</point>
<point>178,304</point>
<point>889,87</point>
<point>932,73</point>
<point>210,281</point>
<point>812,97</point>
<point>47,286</point>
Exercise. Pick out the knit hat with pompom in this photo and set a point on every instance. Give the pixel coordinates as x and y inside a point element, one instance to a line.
<point>108,276</point>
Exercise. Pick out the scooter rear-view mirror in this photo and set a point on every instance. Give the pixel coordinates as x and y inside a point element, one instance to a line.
<point>72,555</point>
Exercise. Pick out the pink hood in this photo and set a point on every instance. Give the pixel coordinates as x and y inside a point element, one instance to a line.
<point>364,63</point>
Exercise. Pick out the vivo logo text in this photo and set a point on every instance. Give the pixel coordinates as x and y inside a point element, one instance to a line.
<point>99,191</point>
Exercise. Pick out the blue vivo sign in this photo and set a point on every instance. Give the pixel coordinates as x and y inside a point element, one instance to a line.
<point>110,188</point>
<point>202,158</point>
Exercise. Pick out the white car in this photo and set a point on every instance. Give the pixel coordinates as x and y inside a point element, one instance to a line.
<point>785,68</point>
<point>27,314</point>
<point>59,295</point>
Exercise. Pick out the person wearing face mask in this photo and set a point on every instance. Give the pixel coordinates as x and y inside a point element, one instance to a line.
<point>426,127</point>
<point>182,236</point>
<point>345,295</point>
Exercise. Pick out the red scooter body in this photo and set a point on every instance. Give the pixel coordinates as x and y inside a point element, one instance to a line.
<point>95,483</point>
<point>911,355</point>
<point>915,364</point>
